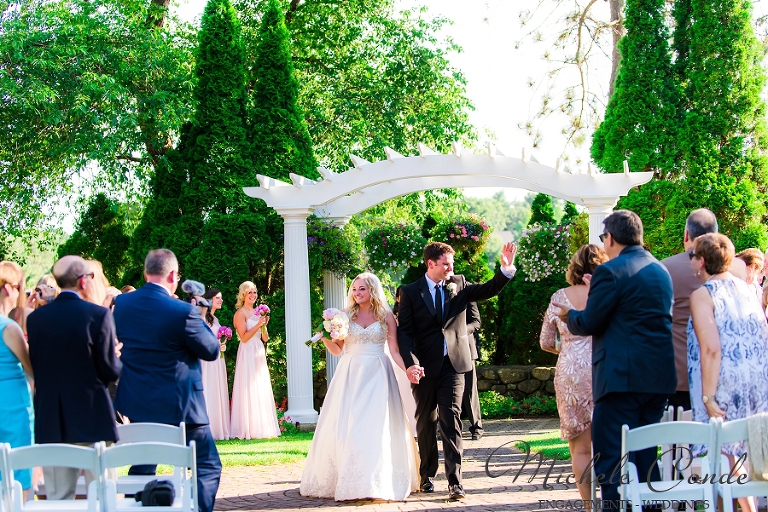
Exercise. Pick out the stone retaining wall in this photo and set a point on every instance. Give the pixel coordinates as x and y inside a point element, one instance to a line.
<point>516,381</point>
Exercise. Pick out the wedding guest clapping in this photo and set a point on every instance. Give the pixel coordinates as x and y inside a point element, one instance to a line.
<point>16,403</point>
<point>72,351</point>
<point>573,375</point>
<point>727,344</point>
<point>215,373</point>
<point>253,404</point>
<point>363,446</point>
<point>44,293</point>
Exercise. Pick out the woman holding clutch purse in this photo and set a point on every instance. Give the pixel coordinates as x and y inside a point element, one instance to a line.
<point>573,376</point>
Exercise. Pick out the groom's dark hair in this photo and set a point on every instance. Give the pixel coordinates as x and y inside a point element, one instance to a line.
<point>434,250</point>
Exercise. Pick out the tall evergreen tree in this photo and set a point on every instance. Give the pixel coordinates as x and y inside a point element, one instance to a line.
<point>724,135</point>
<point>100,234</point>
<point>279,134</point>
<point>641,117</point>
<point>542,211</point>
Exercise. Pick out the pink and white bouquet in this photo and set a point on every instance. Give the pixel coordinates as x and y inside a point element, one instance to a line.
<point>262,310</point>
<point>224,332</point>
<point>335,322</point>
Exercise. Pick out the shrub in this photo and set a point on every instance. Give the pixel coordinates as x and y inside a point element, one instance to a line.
<point>392,248</point>
<point>494,405</point>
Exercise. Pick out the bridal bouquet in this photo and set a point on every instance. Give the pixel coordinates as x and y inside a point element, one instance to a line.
<point>335,322</point>
<point>261,310</point>
<point>224,332</point>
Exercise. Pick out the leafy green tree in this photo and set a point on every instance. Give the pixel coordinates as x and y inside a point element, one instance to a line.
<point>92,93</point>
<point>101,234</point>
<point>724,136</point>
<point>542,211</point>
<point>370,77</point>
<point>641,118</point>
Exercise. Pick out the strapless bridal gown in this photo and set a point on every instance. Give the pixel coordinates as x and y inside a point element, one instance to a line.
<point>363,445</point>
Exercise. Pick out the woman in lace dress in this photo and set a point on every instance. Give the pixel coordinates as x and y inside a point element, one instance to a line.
<point>573,376</point>
<point>727,345</point>
<point>215,387</point>
<point>363,446</point>
<point>254,415</point>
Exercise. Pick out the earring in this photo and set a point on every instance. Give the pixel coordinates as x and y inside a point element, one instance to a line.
<point>698,273</point>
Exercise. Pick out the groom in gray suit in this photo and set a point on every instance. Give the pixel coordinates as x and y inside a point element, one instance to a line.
<point>433,339</point>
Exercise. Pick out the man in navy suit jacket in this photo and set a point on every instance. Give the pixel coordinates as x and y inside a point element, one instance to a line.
<point>72,350</point>
<point>629,316</point>
<point>163,341</point>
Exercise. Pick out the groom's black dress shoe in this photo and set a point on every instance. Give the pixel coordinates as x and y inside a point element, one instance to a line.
<point>427,486</point>
<point>476,435</point>
<point>456,492</point>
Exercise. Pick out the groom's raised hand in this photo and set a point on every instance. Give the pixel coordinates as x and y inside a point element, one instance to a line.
<point>508,253</point>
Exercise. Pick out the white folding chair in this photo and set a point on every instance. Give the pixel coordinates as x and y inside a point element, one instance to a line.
<point>731,432</point>
<point>181,457</point>
<point>148,433</point>
<point>682,453</point>
<point>5,484</point>
<point>653,436</point>
<point>666,462</point>
<point>61,455</point>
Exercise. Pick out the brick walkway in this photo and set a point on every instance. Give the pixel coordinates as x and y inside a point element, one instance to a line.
<point>277,487</point>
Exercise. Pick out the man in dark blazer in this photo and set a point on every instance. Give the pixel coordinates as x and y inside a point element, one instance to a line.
<point>433,340</point>
<point>470,404</point>
<point>72,350</point>
<point>629,316</point>
<point>163,341</point>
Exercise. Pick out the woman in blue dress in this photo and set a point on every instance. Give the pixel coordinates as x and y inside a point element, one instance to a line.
<point>727,345</point>
<point>16,403</point>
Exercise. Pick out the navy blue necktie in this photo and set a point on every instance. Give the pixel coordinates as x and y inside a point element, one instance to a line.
<point>439,302</point>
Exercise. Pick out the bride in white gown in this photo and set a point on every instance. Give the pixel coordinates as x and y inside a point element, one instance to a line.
<point>363,445</point>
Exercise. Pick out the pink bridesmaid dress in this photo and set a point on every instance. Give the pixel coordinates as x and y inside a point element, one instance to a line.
<point>254,415</point>
<point>216,392</point>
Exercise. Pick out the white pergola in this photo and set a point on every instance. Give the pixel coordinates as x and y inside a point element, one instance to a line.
<point>338,196</point>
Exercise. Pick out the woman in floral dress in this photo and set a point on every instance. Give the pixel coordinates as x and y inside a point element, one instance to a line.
<point>573,377</point>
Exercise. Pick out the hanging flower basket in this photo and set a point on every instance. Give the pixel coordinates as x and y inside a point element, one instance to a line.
<point>332,248</point>
<point>465,232</point>
<point>392,248</point>
<point>543,250</point>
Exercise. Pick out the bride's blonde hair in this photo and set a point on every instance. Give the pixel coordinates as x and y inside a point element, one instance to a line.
<point>242,291</point>
<point>379,304</point>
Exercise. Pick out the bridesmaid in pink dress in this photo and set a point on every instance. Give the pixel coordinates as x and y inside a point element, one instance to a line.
<point>254,415</point>
<point>573,375</point>
<point>215,386</point>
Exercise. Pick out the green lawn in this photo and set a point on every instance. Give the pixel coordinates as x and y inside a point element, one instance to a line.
<point>548,444</point>
<point>261,452</point>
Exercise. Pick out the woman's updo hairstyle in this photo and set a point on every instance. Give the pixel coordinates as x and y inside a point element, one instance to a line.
<point>585,261</point>
<point>717,251</point>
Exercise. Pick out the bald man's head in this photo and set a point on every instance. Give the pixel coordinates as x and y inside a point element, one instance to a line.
<point>68,270</point>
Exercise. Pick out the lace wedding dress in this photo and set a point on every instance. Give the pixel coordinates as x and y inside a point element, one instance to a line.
<point>363,445</point>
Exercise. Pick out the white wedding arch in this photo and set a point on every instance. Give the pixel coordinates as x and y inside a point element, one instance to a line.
<point>338,196</point>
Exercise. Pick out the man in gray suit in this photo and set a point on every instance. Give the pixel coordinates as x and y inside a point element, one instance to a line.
<point>684,283</point>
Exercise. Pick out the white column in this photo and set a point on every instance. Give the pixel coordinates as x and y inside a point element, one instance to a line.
<point>335,292</point>
<point>298,323</point>
<point>335,296</point>
<point>599,209</point>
